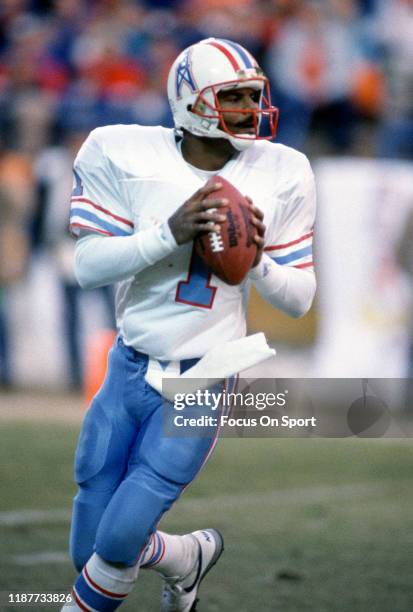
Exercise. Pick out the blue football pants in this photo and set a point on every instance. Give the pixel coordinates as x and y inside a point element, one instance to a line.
<point>127,471</point>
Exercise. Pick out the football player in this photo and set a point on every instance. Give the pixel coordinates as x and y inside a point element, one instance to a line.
<point>138,202</point>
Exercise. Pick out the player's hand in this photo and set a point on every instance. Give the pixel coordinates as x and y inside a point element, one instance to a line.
<point>257,221</point>
<point>195,216</point>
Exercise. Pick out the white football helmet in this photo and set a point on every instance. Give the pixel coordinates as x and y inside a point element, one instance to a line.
<point>196,77</point>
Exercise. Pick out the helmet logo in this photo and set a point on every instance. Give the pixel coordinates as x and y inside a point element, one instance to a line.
<point>184,75</point>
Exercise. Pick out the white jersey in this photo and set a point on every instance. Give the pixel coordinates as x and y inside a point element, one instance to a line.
<point>128,178</point>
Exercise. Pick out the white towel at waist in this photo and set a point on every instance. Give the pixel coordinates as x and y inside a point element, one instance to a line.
<point>220,362</point>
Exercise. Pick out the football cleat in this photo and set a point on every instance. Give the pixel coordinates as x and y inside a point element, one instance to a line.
<point>180,592</point>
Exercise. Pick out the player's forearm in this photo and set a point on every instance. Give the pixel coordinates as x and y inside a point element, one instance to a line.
<point>101,260</point>
<point>289,289</point>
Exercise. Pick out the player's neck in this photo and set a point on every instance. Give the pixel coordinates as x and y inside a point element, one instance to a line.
<point>206,153</point>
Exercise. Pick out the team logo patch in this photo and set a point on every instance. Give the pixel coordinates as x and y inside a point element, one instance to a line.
<point>184,75</point>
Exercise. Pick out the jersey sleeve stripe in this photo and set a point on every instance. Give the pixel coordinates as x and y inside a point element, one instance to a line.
<point>307,264</point>
<point>104,210</point>
<point>101,218</point>
<point>294,256</point>
<point>89,228</point>
<point>277,247</point>
<point>79,213</point>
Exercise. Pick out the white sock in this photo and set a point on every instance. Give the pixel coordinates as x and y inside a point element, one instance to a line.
<point>171,555</point>
<point>101,585</point>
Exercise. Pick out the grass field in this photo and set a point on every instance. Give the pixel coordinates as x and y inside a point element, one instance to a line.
<point>317,525</point>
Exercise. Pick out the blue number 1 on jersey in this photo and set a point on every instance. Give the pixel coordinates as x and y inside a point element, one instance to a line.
<point>196,290</point>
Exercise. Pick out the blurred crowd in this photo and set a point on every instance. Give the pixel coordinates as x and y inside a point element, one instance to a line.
<point>341,73</point>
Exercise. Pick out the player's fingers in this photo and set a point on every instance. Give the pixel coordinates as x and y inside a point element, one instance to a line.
<point>201,194</point>
<point>257,212</point>
<point>210,216</point>
<point>207,227</point>
<point>207,189</point>
<point>218,203</point>
<point>259,241</point>
<point>259,226</point>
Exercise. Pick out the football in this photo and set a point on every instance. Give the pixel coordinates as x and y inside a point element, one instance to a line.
<point>229,253</point>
